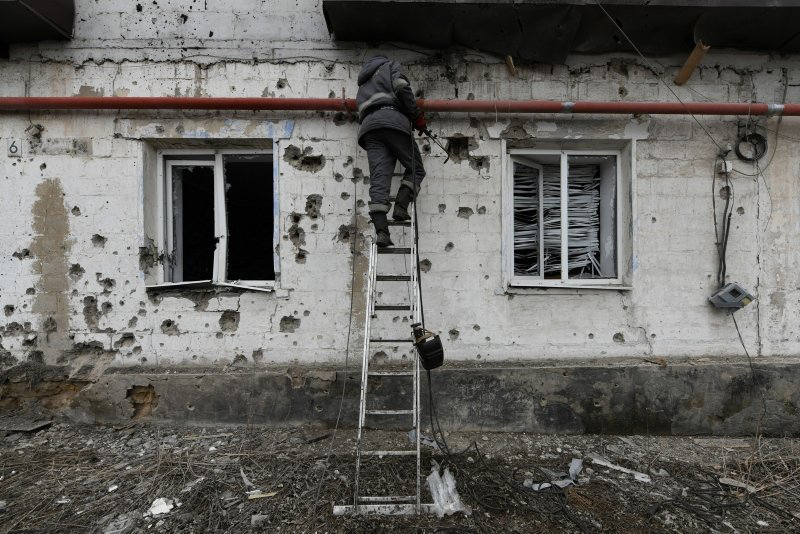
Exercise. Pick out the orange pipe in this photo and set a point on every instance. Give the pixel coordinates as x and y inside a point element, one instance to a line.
<point>349,105</point>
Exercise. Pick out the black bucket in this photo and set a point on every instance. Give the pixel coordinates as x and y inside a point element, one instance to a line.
<point>431,353</point>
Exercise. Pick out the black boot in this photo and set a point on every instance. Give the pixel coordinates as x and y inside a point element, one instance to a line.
<point>382,236</point>
<point>404,196</point>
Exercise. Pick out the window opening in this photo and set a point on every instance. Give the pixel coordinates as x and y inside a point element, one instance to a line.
<point>193,236</point>
<point>592,216</point>
<point>578,191</point>
<point>248,203</point>
<point>218,219</point>
<point>537,206</point>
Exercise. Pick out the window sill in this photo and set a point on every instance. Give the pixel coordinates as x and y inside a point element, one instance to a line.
<point>559,289</point>
<point>207,285</point>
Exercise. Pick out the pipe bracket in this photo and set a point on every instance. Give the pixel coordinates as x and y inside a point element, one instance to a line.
<point>774,110</point>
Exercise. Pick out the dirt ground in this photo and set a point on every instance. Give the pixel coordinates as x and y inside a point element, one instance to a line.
<point>70,478</point>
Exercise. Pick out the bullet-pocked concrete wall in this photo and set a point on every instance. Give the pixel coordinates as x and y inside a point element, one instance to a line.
<point>73,267</point>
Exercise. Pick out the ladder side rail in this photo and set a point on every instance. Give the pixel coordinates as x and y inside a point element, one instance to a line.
<point>371,272</point>
<point>416,318</point>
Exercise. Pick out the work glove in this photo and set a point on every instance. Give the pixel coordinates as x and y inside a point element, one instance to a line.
<point>419,123</point>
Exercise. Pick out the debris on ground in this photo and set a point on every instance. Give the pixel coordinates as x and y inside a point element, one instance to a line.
<point>640,477</point>
<point>444,493</point>
<point>160,506</point>
<point>60,478</point>
<point>427,441</point>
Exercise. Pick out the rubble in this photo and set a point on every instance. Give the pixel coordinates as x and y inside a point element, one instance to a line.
<point>270,480</point>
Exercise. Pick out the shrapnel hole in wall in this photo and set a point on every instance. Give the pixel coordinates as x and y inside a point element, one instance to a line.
<point>143,399</point>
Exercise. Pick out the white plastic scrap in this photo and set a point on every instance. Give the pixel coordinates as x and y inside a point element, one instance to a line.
<point>445,496</point>
<point>575,468</point>
<point>557,478</point>
<point>423,439</point>
<point>160,506</point>
<point>246,480</point>
<point>599,460</point>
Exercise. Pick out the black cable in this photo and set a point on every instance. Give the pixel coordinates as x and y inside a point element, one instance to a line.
<point>415,192</point>
<point>347,353</point>
<point>753,377</point>
<point>757,141</point>
<point>488,486</point>
<point>777,133</point>
<point>650,66</point>
<point>722,235</point>
<point>717,240</point>
<point>726,228</point>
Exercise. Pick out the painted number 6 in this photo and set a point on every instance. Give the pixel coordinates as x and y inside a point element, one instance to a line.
<point>14,149</point>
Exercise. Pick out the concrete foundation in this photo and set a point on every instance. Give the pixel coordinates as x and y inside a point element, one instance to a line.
<point>686,398</point>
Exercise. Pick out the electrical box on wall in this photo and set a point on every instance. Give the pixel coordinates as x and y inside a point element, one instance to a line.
<point>731,296</point>
<point>724,166</point>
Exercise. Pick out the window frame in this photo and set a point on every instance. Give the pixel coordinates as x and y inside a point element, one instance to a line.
<point>164,211</point>
<point>512,280</point>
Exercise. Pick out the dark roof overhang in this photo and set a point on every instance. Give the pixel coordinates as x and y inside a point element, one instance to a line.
<point>549,30</point>
<point>24,21</point>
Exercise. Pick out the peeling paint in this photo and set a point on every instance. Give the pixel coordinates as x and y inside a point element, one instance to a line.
<point>50,246</point>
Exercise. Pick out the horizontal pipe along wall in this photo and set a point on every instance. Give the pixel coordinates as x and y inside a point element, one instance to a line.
<point>328,104</point>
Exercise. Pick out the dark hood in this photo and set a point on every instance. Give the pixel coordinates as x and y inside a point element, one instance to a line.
<point>369,68</point>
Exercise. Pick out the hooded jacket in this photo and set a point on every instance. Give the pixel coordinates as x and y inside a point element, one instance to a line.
<point>385,98</point>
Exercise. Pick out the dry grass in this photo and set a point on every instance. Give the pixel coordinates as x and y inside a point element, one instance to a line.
<point>58,480</point>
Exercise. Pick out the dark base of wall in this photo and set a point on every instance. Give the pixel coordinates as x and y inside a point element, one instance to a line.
<point>717,398</point>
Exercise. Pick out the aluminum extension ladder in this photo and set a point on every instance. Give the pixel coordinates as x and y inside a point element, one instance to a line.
<point>389,504</point>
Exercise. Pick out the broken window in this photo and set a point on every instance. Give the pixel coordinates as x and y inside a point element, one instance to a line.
<point>219,218</point>
<point>562,219</point>
<point>248,205</point>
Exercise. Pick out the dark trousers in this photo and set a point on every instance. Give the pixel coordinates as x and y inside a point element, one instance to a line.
<point>385,147</point>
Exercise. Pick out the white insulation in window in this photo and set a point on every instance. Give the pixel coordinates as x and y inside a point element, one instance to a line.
<point>537,220</point>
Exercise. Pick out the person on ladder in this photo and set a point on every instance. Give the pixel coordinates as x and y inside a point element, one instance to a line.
<point>387,112</point>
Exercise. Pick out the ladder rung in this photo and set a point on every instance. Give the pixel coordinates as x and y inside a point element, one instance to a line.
<point>392,307</point>
<point>390,373</point>
<point>393,278</point>
<point>388,412</point>
<point>389,498</point>
<point>389,453</point>
<point>394,250</point>
<point>402,509</point>
<point>400,223</point>
<point>382,340</point>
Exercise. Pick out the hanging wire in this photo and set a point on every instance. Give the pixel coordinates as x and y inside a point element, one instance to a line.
<point>315,507</point>
<point>754,379</point>
<point>492,488</point>
<point>660,78</point>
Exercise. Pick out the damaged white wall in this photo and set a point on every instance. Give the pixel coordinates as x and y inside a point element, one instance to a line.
<point>71,281</point>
